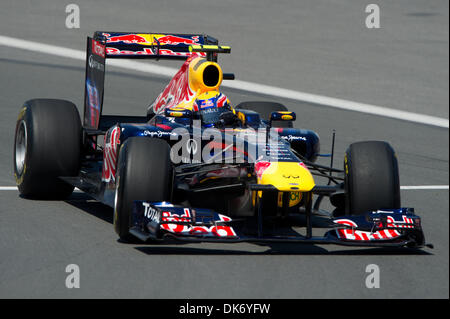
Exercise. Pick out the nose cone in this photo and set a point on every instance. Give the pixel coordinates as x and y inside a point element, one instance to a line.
<point>287,177</point>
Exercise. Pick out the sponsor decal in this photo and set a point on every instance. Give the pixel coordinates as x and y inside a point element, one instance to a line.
<point>116,51</point>
<point>405,223</point>
<point>125,38</point>
<point>159,133</point>
<point>192,230</point>
<point>175,40</point>
<point>294,198</point>
<point>151,212</point>
<point>145,51</point>
<point>359,235</point>
<point>98,48</point>
<point>112,139</point>
<point>207,103</point>
<point>178,90</point>
<point>291,138</point>
<point>152,39</point>
<point>95,64</point>
<point>392,221</point>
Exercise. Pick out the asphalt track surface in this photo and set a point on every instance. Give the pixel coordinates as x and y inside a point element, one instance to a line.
<point>325,50</point>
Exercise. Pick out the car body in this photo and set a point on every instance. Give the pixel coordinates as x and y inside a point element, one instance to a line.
<point>245,179</point>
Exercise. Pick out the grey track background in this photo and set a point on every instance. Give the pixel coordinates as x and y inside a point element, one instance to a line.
<point>318,47</point>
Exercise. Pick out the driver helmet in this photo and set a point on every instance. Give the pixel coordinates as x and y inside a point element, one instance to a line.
<point>210,105</point>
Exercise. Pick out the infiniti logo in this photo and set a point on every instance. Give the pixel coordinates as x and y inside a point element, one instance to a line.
<point>94,64</point>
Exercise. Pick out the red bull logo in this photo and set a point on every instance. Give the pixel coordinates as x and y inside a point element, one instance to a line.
<point>207,103</point>
<point>174,40</point>
<point>125,38</point>
<point>151,39</point>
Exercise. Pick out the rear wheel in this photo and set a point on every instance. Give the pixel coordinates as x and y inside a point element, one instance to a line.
<point>47,145</point>
<point>265,109</point>
<point>144,172</point>
<point>371,177</point>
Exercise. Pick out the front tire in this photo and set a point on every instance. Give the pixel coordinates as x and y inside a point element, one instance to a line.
<point>371,177</point>
<point>144,172</point>
<point>47,145</point>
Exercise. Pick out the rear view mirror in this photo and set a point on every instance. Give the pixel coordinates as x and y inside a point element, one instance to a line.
<point>282,116</point>
<point>178,113</point>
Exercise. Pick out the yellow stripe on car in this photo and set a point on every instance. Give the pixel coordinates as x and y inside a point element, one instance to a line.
<point>288,177</point>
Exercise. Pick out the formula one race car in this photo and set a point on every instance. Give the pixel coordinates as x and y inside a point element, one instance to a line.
<point>195,168</point>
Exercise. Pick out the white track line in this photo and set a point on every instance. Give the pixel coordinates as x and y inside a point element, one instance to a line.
<point>236,84</point>
<point>423,187</point>
<point>419,187</point>
<point>8,188</point>
<point>14,188</point>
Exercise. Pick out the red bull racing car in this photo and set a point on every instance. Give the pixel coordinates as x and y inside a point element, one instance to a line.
<point>197,168</point>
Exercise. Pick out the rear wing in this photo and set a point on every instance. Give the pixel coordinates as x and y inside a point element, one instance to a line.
<point>151,45</point>
<point>130,45</point>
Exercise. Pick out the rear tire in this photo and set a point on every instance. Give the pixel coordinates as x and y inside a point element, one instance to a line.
<point>144,172</point>
<point>371,177</point>
<point>47,145</point>
<point>265,109</point>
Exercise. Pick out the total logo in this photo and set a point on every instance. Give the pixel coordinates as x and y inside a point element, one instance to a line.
<point>151,213</point>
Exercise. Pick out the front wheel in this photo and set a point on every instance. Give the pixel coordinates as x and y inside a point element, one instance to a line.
<point>371,177</point>
<point>144,172</point>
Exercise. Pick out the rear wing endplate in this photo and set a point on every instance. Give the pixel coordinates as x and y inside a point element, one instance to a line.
<point>94,83</point>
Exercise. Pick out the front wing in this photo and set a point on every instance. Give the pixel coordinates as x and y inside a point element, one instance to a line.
<point>162,220</point>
